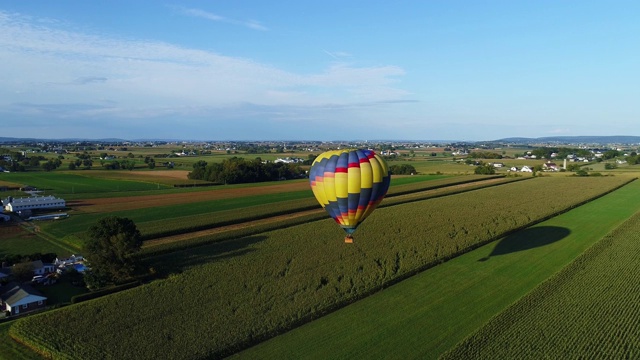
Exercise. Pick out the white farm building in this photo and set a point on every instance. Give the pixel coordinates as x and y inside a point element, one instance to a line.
<point>33,203</point>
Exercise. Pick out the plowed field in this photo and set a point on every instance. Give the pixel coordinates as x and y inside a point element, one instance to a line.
<point>149,201</point>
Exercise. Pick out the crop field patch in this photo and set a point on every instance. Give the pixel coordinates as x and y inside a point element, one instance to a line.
<point>14,239</point>
<point>588,310</point>
<point>12,230</point>
<point>149,201</point>
<point>169,177</point>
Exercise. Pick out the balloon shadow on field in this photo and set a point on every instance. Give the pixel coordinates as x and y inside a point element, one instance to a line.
<point>178,261</point>
<point>527,239</point>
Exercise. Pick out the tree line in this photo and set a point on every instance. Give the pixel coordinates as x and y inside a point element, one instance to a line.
<point>239,170</point>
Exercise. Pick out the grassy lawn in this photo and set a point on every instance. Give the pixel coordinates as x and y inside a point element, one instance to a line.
<point>424,316</point>
<point>61,292</point>
<point>23,242</point>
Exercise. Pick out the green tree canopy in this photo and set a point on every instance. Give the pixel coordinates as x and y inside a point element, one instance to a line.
<point>404,169</point>
<point>486,169</point>
<point>110,247</point>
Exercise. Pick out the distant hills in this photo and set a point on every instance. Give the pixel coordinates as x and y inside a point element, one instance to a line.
<point>558,140</point>
<point>7,140</point>
<point>620,139</point>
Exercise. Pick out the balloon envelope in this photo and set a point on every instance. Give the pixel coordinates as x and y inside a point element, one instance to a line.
<point>349,184</point>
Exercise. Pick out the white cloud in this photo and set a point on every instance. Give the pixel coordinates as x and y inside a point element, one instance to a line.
<point>252,24</point>
<point>44,65</point>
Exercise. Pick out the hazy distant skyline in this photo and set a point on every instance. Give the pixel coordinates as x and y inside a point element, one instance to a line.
<point>255,70</point>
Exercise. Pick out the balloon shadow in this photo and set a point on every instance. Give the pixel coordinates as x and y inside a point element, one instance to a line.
<point>179,261</point>
<point>527,239</point>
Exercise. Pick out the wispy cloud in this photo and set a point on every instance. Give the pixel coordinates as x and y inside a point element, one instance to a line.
<point>337,55</point>
<point>251,24</point>
<point>89,80</point>
<point>56,73</point>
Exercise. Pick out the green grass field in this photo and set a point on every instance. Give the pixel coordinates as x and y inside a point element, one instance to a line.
<point>67,184</point>
<point>424,316</point>
<point>19,241</point>
<point>588,310</point>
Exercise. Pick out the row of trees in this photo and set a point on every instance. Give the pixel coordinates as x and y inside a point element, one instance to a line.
<point>238,170</point>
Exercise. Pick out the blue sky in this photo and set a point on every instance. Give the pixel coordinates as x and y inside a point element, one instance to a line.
<point>330,70</point>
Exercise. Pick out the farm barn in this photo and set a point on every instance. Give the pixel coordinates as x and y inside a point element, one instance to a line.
<point>33,203</point>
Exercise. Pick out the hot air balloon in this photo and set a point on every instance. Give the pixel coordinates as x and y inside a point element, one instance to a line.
<point>349,184</point>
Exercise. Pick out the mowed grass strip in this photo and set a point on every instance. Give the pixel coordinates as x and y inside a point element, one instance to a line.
<point>591,309</point>
<point>424,316</point>
<point>241,291</point>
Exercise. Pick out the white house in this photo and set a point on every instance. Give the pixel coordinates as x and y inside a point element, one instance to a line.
<point>40,268</point>
<point>550,166</point>
<point>526,169</point>
<point>33,203</point>
<point>17,299</point>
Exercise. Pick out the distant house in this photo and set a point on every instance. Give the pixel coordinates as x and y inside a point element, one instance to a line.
<point>5,272</point>
<point>289,160</point>
<point>514,169</point>
<point>526,169</point>
<point>550,166</point>
<point>40,268</point>
<point>17,299</point>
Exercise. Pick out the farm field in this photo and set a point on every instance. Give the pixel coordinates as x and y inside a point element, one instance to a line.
<point>16,240</point>
<point>596,298</point>
<point>244,290</point>
<point>423,316</point>
<point>162,215</point>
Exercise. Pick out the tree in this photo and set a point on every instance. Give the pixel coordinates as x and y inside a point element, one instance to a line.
<point>403,169</point>
<point>23,271</point>
<point>486,169</point>
<point>110,247</point>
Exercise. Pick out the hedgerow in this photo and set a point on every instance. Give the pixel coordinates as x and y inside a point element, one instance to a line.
<point>220,298</point>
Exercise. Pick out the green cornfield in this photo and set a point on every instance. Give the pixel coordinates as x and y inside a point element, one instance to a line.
<point>591,309</point>
<point>238,292</point>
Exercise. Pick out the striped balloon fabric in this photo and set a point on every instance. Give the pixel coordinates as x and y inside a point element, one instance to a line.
<point>349,184</point>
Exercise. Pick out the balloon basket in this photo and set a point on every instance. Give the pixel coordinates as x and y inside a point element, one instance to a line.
<point>348,239</point>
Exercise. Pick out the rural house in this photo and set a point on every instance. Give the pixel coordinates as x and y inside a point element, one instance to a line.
<point>17,299</point>
<point>550,166</point>
<point>40,268</point>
